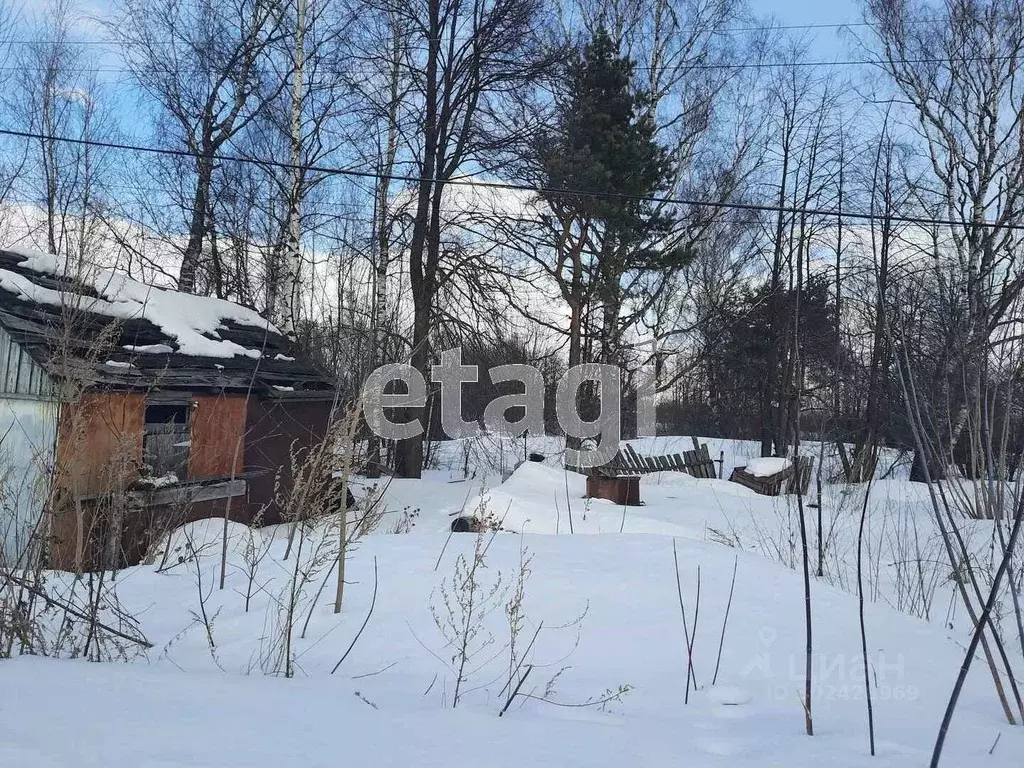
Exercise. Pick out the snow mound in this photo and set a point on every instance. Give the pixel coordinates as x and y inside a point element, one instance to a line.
<point>766,466</point>
<point>203,538</point>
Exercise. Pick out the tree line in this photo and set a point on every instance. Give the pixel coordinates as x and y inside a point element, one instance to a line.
<point>670,186</point>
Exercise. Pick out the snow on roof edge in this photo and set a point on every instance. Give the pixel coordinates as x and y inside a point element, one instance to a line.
<point>192,321</point>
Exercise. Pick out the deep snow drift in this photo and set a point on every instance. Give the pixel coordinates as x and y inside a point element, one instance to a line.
<point>607,610</point>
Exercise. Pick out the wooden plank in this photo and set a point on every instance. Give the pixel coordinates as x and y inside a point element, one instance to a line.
<point>695,463</point>
<point>614,462</point>
<point>622,459</point>
<point>218,432</point>
<point>709,465</point>
<point>634,458</point>
<point>193,494</point>
<point>624,456</point>
<point>706,466</point>
<point>627,457</point>
<point>688,462</point>
<point>99,441</point>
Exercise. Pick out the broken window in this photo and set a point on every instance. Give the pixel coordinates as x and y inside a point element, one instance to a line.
<point>167,440</point>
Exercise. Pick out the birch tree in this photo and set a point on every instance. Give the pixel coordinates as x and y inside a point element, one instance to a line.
<point>203,64</point>
<point>58,97</point>
<point>957,65</point>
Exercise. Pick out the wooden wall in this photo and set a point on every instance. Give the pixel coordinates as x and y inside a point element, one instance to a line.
<point>99,441</point>
<point>19,373</point>
<point>99,449</point>
<point>272,428</point>
<point>217,435</point>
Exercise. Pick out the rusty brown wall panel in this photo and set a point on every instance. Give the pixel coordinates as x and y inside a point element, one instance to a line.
<point>99,447</point>
<point>99,441</point>
<point>217,435</point>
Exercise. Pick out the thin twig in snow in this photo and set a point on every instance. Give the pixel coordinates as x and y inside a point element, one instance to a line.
<point>725,620</point>
<point>369,613</point>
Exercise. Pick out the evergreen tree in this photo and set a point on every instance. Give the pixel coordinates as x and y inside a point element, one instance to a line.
<point>737,368</point>
<point>603,144</point>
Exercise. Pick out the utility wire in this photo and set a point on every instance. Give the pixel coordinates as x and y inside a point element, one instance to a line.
<point>683,30</point>
<point>513,187</point>
<point>957,61</point>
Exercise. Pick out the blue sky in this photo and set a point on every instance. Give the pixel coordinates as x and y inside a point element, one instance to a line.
<point>826,44</point>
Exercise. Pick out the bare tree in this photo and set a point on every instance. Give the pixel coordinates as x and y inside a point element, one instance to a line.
<point>301,123</point>
<point>59,97</point>
<point>957,64</point>
<point>803,110</point>
<point>466,64</point>
<point>203,63</point>
<point>381,82</point>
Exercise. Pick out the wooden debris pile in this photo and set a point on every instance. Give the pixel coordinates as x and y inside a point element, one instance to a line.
<point>793,477</point>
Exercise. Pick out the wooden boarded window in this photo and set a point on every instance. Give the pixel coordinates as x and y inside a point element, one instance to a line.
<point>167,439</point>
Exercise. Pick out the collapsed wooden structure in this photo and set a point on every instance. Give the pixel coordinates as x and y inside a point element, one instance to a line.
<point>697,462</point>
<point>793,478</point>
<point>619,480</point>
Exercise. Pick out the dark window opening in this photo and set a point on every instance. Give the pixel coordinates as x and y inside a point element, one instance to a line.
<point>167,439</point>
<point>176,413</point>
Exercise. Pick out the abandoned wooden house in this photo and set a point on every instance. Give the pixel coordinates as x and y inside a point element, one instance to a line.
<point>126,410</point>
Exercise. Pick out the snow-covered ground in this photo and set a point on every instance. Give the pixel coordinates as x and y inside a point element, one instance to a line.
<point>601,620</point>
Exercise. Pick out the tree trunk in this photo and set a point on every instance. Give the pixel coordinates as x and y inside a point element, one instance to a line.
<point>771,385</point>
<point>288,290</point>
<point>192,256</point>
<point>383,241</point>
<point>409,457</point>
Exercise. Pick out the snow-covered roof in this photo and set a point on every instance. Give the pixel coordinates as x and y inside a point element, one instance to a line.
<point>192,321</point>
<point>766,466</point>
<point>150,336</point>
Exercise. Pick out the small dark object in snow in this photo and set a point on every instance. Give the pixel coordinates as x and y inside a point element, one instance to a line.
<point>464,525</point>
<point>537,457</point>
<point>333,507</point>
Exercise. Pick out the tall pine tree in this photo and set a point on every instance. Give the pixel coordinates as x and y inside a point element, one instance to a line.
<point>602,145</point>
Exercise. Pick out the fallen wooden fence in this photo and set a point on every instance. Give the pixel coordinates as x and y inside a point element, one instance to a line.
<point>697,462</point>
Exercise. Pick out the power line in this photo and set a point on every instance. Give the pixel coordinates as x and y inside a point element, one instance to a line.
<point>684,30</point>
<point>698,67</point>
<point>723,31</point>
<point>513,187</point>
